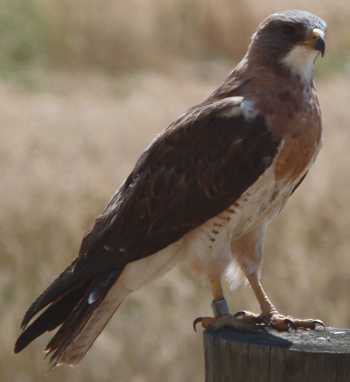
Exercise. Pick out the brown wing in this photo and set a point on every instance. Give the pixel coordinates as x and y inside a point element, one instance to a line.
<point>191,173</point>
<point>196,169</point>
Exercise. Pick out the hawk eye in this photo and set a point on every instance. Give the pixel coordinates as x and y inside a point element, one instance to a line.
<point>289,30</point>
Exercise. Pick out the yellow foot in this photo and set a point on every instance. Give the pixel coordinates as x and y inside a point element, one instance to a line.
<point>279,321</point>
<point>226,321</point>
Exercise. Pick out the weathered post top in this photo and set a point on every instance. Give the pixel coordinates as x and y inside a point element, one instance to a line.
<point>271,356</point>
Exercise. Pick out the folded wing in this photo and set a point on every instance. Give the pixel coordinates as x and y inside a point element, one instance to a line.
<point>196,169</point>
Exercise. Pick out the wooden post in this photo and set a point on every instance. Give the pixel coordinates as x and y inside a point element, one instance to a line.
<point>270,356</point>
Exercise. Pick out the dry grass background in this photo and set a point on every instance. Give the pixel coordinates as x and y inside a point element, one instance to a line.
<point>83,88</point>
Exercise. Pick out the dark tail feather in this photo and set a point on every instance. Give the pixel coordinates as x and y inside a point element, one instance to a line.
<point>78,318</point>
<point>72,310</point>
<point>64,282</point>
<point>83,269</point>
<point>53,316</point>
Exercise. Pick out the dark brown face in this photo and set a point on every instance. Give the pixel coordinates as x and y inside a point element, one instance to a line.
<point>282,33</point>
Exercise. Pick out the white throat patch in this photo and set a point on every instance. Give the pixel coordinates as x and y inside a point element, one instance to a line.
<point>301,61</point>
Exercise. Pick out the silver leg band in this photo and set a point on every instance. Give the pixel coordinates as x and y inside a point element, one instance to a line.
<point>220,307</point>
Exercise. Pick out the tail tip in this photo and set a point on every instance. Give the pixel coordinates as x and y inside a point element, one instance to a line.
<point>18,346</point>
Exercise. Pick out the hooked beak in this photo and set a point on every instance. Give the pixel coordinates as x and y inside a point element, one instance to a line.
<point>316,41</point>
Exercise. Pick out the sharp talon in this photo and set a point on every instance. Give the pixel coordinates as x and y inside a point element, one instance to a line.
<point>244,320</point>
<point>317,323</point>
<point>291,324</point>
<point>283,323</point>
<point>239,314</point>
<point>206,322</point>
<point>195,323</point>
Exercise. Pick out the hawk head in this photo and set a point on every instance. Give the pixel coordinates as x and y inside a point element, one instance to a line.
<point>289,40</point>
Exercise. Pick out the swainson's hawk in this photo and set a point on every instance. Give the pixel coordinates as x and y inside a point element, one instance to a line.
<point>204,190</point>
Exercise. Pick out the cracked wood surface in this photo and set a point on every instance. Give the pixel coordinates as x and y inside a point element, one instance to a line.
<point>271,356</point>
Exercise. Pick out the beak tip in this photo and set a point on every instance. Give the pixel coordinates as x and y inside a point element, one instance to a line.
<point>321,46</point>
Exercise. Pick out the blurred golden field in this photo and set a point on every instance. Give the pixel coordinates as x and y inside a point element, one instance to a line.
<point>84,86</point>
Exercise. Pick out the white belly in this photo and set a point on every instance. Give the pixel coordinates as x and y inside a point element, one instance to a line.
<point>208,247</point>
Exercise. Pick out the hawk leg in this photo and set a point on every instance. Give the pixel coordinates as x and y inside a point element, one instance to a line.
<point>222,317</point>
<point>248,253</point>
<point>270,316</point>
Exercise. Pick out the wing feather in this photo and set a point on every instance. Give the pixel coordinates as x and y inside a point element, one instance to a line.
<point>197,168</point>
